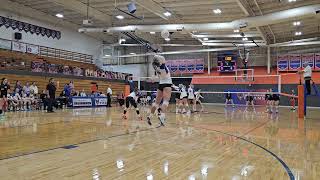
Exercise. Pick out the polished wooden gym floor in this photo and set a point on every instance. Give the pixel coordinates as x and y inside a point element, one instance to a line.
<point>226,144</point>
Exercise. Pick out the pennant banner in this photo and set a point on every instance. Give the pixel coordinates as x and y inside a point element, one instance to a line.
<point>295,62</point>
<point>22,26</point>
<point>307,58</point>
<point>317,62</point>
<point>283,63</point>
<point>186,66</point>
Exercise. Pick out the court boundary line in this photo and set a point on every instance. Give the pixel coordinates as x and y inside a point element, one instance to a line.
<point>84,142</point>
<point>285,166</point>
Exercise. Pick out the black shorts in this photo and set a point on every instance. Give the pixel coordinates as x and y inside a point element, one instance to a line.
<point>121,102</point>
<point>130,100</point>
<point>177,96</point>
<point>276,98</point>
<point>185,97</point>
<point>162,86</point>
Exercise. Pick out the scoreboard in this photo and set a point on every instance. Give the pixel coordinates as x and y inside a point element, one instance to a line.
<point>227,61</point>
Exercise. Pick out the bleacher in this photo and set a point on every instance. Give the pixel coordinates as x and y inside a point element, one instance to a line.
<point>22,61</point>
<point>79,84</point>
<point>16,66</point>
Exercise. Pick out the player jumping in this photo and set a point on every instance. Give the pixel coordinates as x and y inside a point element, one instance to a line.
<point>164,89</point>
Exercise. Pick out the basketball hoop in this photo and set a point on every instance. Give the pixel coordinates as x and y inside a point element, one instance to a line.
<point>245,75</point>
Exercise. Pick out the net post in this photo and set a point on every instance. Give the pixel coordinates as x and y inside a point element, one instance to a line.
<point>139,82</point>
<point>301,102</point>
<point>279,83</point>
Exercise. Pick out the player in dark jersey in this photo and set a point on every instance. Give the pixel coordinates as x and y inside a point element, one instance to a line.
<point>131,99</point>
<point>249,101</point>
<point>276,102</point>
<point>267,99</point>
<point>4,87</point>
<point>229,99</point>
<point>271,101</point>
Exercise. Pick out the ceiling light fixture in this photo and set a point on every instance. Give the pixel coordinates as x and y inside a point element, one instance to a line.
<point>152,32</point>
<point>121,40</point>
<point>292,0</point>
<point>217,11</point>
<point>297,23</point>
<point>167,39</point>
<point>59,15</point>
<point>120,17</point>
<point>298,33</point>
<point>244,39</point>
<point>236,30</point>
<point>132,53</point>
<point>167,13</point>
<point>205,39</point>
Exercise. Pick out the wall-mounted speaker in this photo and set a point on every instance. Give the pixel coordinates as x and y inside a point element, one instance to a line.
<point>17,36</point>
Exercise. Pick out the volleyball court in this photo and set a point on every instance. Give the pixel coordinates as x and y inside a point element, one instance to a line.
<point>245,90</point>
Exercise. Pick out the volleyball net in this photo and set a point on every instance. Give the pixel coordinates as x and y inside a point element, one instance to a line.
<point>215,88</point>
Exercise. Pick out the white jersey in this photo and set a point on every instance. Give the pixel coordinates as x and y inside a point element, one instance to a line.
<point>183,93</point>
<point>190,93</point>
<point>307,72</point>
<point>164,74</point>
<point>198,96</point>
<point>133,95</point>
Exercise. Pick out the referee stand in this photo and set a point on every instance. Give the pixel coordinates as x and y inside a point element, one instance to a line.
<point>306,95</point>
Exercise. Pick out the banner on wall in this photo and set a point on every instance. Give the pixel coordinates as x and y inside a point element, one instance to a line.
<point>53,68</point>
<point>317,62</point>
<point>101,101</point>
<point>17,46</point>
<point>283,62</point>
<point>37,66</point>
<point>186,66</point>
<point>5,44</point>
<point>33,49</point>
<point>309,58</point>
<point>295,62</point>
<point>26,27</point>
<point>81,102</point>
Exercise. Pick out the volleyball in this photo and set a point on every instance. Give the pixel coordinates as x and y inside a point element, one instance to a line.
<point>165,34</point>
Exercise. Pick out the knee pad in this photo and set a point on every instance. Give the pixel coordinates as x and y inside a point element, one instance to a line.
<point>165,103</point>
<point>155,105</point>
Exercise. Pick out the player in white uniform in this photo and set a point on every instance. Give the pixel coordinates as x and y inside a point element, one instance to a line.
<point>132,100</point>
<point>198,99</point>
<point>183,99</point>
<point>177,98</point>
<point>191,97</point>
<point>164,89</point>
